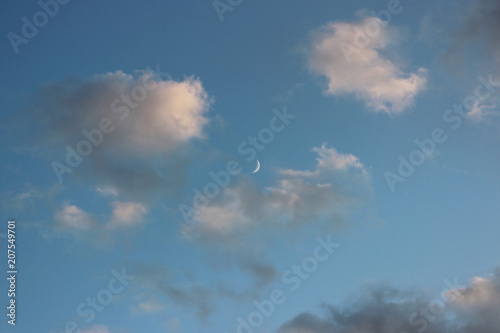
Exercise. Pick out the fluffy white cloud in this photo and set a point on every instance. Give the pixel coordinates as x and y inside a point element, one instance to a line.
<point>352,58</point>
<point>150,114</point>
<point>480,303</point>
<point>127,214</point>
<point>172,113</point>
<point>137,129</point>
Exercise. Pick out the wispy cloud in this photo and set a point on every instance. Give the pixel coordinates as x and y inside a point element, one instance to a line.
<point>234,224</point>
<point>107,191</point>
<point>482,111</point>
<point>97,329</point>
<point>150,305</point>
<point>299,197</point>
<point>157,279</point>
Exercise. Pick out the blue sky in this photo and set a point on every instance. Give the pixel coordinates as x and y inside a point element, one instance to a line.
<point>376,133</point>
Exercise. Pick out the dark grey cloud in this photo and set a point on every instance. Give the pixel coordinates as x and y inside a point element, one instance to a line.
<point>483,23</point>
<point>478,32</point>
<point>387,310</point>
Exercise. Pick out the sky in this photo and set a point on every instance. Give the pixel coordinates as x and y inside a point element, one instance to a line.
<point>248,166</point>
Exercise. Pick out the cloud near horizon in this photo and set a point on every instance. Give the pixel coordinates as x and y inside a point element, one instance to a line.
<point>383,309</point>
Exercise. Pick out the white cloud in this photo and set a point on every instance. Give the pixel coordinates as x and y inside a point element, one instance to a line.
<point>97,230</point>
<point>107,191</point>
<point>351,57</point>
<point>329,159</point>
<point>149,123</point>
<point>165,114</point>
<point>172,114</point>
<point>150,306</point>
<point>481,112</point>
<point>300,197</point>
<point>127,214</point>
<point>480,302</point>
<point>73,217</point>
<point>222,219</point>
<point>480,291</point>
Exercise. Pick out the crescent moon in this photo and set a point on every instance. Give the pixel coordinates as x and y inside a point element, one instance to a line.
<point>257,168</point>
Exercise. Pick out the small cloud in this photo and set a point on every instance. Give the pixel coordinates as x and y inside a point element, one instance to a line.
<point>71,217</point>
<point>71,220</point>
<point>25,195</point>
<point>107,191</point>
<point>481,112</point>
<point>329,159</point>
<point>150,306</point>
<point>127,214</point>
